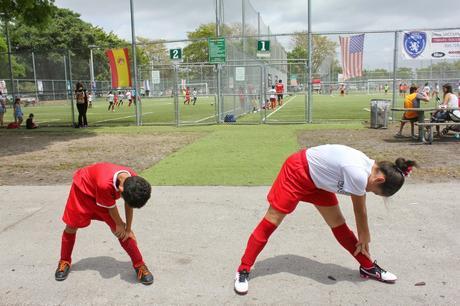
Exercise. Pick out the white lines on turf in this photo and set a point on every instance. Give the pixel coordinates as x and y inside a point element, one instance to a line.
<point>51,120</point>
<point>284,104</point>
<point>118,118</point>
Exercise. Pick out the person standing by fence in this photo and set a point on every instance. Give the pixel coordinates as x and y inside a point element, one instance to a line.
<point>2,108</point>
<point>82,105</point>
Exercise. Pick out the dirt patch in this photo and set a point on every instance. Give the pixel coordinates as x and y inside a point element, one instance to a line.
<point>438,162</point>
<point>50,159</point>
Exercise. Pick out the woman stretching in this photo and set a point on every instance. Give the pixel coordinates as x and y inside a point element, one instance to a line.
<point>314,175</point>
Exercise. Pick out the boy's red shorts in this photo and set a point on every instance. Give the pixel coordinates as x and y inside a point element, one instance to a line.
<point>81,209</point>
<point>294,184</point>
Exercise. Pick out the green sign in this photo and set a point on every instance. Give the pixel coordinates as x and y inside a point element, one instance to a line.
<point>263,45</point>
<point>175,54</point>
<point>217,50</point>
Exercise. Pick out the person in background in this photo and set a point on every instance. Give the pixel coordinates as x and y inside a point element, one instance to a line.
<point>386,88</point>
<point>2,108</point>
<point>120,98</point>
<point>411,101</point>
<point>90,99</point>
<point>110,97</point>
<point>450,101</point>
<point>194,95</point>
<point>82,105</point>
<point>426,88</point>
<point>30,124</point>
<point>18,115</point>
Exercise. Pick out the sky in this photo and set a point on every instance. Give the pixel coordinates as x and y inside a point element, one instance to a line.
<point>173,19</point>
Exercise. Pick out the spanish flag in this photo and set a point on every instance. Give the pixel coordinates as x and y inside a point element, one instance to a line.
<point>119,66</point>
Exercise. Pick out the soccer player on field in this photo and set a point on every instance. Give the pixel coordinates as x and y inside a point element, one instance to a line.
<point>194,95</point>
<point>279,92</point>
<point>93,196</point>
<point>272,93</point>
<point>187,95</point>
<point>315,175</point>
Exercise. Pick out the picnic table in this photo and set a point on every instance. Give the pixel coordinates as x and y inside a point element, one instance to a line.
<point>426,125</point>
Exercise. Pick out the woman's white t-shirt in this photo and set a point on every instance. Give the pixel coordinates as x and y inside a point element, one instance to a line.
<point>453,101</point>
<point>339,169</point>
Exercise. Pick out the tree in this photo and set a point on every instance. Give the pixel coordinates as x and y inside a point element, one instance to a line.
<point>323,48</point>
<point>30,12</point>
<point>197,51</point>
<point>66,31</point>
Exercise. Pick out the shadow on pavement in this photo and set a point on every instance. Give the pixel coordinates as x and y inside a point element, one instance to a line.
<point>324,273</point>
<point>108,267</point>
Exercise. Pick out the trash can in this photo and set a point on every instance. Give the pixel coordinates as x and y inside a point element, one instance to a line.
<point>380,110</point>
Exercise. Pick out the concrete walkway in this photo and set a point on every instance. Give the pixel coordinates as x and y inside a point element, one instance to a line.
<point>193,237</point>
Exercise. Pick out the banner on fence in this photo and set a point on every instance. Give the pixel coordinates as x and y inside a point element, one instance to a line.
<point>119,67</point>
<point>40,86</point>
<point>431,44</point>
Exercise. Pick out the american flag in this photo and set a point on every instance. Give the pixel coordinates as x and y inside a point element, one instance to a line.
<point>352,55</point>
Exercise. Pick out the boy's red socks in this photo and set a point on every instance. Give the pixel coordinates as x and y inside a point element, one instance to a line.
<point>131,248</point>
<point>256,243</point>
<point>348,240</point>
<point>67,243</point>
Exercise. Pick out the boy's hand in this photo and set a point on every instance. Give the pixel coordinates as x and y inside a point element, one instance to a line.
<point>120,231</point>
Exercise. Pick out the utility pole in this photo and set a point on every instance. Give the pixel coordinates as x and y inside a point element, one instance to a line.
<point>137,100</point>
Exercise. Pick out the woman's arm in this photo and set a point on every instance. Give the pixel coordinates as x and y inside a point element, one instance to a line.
<point>362,226</point>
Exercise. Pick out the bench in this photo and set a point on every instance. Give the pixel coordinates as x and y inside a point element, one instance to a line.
<point>428,134</point>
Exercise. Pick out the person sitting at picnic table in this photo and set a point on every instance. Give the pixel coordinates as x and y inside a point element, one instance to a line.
<point>450,100</point>
<point>412,101</point>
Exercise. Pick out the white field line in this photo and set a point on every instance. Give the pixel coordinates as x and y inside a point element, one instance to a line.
<point>198,121</point>
<point>51,120</point>
<point>284,104</point>
<point>118,118</point>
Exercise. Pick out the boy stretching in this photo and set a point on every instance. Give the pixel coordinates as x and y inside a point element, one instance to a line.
<point>93,196</point>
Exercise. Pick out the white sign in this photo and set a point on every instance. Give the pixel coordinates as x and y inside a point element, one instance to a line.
<point>430,44</point>
<point>231,84</point>
<point>240,73</point>
<point>40,86</point>
<point>156,77</point>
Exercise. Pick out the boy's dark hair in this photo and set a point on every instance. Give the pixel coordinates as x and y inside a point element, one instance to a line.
<point>394,174</point>
<point>136,191</point>
<point>413,89</point>
<point>31,115</point>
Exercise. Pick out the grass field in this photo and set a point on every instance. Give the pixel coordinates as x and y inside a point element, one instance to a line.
<point>158,111</point>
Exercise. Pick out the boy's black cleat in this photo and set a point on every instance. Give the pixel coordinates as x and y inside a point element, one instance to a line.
<point>377,273</point>
<point>144,275</point>
<point>62,270</point>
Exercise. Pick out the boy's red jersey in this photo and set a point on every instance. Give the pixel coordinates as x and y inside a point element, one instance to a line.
<point>99,182</point>
<point>279,87</point>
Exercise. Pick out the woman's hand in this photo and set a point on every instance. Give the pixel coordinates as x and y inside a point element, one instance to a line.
<point>363,245</point>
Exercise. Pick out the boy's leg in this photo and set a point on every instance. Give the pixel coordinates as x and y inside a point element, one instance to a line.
<point>67,243</point>
<point>130,246</point>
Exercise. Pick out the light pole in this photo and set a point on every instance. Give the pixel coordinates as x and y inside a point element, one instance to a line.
<point>10,65</point>
<point>91,68</point>
<point>136,86</point>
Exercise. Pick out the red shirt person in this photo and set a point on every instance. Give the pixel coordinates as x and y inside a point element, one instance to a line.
<point>93,196</point>
<point>279,87</point>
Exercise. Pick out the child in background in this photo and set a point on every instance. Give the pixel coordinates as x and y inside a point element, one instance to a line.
<point>18,115</point>
<point>30,124</point>
<point>90,99</point>
<point>272,93</point>
<point>2,108</point>
<point>120,98</point>
<point>93,196</point>
<point>110,98</point>
<point>194,95</point>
